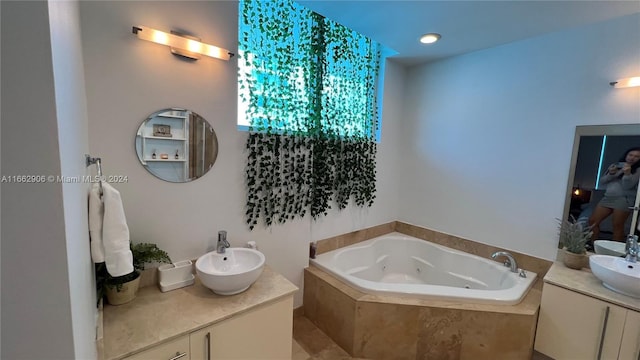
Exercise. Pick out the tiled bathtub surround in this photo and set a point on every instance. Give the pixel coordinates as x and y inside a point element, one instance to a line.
<point>527,262</point>
<point>339,241</point>
<point>387,327</point>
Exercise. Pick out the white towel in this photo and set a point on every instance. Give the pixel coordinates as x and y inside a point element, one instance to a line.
<point>96,213</point>
<point>114,237</point>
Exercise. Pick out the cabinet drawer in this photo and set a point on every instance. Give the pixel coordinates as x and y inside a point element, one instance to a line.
<point>171,350</point>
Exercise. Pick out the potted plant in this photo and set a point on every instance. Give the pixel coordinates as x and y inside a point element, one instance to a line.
<point>573,237</point>
<point>122,289</point>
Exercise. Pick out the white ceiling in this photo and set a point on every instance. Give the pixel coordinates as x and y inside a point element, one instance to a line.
<point>465,26</point>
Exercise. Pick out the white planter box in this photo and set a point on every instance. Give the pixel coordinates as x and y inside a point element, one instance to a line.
<point>176,275</point>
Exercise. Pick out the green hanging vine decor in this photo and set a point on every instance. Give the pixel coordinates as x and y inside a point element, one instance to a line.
<point>308,85</point>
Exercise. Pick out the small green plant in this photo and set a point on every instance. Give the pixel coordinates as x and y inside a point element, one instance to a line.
<point>143,253</point>
<point>574,235</point>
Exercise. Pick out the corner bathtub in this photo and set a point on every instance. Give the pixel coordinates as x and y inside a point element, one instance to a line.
<point>400,265</point>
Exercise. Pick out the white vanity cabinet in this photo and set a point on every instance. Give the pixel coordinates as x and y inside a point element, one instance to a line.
<point>171,350</point>
<point>576,326</point>
<point>630,346</point>
<point>262,333</point>
<point>194,323</point>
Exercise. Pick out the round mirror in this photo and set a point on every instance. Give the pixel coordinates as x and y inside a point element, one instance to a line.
<point>176,145</point>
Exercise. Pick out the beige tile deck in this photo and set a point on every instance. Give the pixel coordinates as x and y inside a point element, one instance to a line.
<point>310,343</point>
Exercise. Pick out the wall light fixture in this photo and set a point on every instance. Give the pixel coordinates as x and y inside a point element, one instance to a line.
<point>626,83</point>
<point>181,44</point>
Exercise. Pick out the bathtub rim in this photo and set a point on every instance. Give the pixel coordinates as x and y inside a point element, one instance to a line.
<point>500,297</point>
<point>528,306</point>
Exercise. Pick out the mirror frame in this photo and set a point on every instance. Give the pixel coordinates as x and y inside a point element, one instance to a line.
<point>596,130</point>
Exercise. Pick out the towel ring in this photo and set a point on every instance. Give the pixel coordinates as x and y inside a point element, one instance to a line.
<point>98,162</point>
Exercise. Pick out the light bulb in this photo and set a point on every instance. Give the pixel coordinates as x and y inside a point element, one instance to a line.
<point>430,38</point>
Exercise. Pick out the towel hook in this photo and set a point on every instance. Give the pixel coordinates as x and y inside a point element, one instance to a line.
<point>95,160</point>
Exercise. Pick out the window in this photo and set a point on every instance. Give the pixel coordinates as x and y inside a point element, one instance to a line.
<point>300,72</point>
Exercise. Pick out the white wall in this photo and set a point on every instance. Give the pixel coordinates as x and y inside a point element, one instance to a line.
<point>71,112</point>
<point>127,79</point>
<point>488,135</point>
<point>43,225</point>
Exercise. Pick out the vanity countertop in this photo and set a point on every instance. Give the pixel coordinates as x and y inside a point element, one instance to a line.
<point>154,317</point>
<point>584,282</point>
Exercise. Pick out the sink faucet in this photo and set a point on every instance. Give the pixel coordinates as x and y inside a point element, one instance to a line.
<point>223,244</point>
<point>632,248</point>
<point>510,262</point>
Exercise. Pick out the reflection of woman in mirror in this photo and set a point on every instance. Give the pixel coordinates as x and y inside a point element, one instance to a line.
<point>621,181</point>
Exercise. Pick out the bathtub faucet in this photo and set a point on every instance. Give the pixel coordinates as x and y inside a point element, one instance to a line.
<point>510,262</point>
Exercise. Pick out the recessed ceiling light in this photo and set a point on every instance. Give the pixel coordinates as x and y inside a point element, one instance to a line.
<point>430,38</point>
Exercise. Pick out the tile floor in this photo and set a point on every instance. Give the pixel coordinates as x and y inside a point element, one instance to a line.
<point>310,343</point>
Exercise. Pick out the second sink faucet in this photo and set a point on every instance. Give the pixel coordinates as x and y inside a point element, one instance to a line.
<point>223,244</point>
<point>632,248</point>
<point>510,262</point>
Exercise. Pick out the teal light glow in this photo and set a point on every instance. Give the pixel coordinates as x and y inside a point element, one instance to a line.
<point>604,144</point>
<point>288,96</point>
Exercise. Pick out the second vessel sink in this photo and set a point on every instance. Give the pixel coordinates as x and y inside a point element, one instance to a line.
<point>608,247</point>
<point>617,274</point>
<point>232,272</point>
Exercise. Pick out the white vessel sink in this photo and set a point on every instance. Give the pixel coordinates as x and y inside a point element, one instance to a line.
<point>617,274</point>
<point>607,247</point>
<point>232,272</point>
